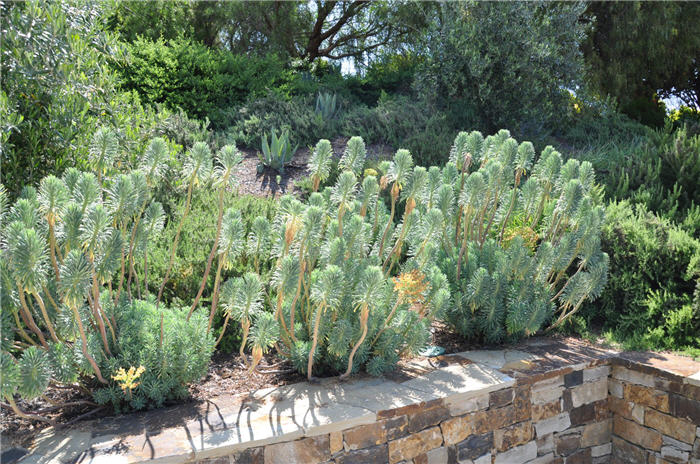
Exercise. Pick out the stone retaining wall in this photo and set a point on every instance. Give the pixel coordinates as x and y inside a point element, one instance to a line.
<point>559,417</point>
<point>656,416</point>
<point>560,402</point>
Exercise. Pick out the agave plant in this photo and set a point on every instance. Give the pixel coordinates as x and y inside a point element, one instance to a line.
<point>277,152</point>
<point>327,106</point>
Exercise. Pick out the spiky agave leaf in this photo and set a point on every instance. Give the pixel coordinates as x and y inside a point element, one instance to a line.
<point>354,155</point>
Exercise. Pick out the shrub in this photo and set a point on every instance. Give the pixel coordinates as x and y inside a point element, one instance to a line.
<point>652,264</point>
<point>204,82</point>
<point>517,250</point>
<point>198,237</point>
<point>249,123</point>
<point>69,253</point>
<point>336,306</point>
<point>172,351</point>
<point>662,174</point>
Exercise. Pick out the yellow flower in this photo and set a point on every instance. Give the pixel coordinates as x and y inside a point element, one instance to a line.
<point>127,379</point>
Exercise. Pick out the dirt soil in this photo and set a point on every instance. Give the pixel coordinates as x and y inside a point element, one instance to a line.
<point>264,183</point>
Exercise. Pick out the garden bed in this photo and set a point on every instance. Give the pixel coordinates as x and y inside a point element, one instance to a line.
<point>546,400</point>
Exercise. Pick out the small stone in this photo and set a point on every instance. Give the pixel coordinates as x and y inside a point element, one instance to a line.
<point>500,398</point>
<point>595,373</point>
<point>553,424</point>
<point>630,376</point>
<point>582,414</point>
<point>456,429</point>
<point>412,445</point>
<point>376,454</point>
<point>513,435</point>
<point>582,456</point>
<point>625,452</point>
<point>545,410</point>
<point>522,403</point>
<point>668,441</point>
<point>492,419</point>
<point>685,408</point>
<point>668,425</point>
<point>589,392</point>
<point>427,418</point>
<point>249,456</point>
<point>458,406</point>
<point>546,395</point>
<point>474,446</point>
<point>314,449</point>
<point>601,450</point>
<point>573,378</point>
<point>673,454</point>
<point>597,433</point>
<point>626,409</point>
<point>336,442</point>
<point>616,388</point>
<point>437,456</point>
<point>545,444</point>
<point>365,436</point>
<point>518,455</point>
<point>635,433</point>
<point>566,444</point>
<point>639,394</point>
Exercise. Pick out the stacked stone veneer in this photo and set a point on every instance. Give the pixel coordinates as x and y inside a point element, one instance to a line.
<point>656,416</point>
<point>563,404</point>
<point>558,417</point>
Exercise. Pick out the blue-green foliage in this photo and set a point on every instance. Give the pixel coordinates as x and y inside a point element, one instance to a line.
<point>173,351</point>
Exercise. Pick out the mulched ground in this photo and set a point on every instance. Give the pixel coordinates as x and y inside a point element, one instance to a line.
<point>264,183</point>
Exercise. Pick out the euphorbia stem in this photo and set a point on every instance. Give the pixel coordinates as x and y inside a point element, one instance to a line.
<point>84,348</point>
<point>212,253</point>
<point>28,319</point>
<point>510,208</point>
<point>394,195</point>
<point>386,322</point>
<point>245,325</point>
<point>175,241</point>
<point>364,315</point>
<point>52,248</point>
<point>314,342</point>
<point>29,416</point>
<point>21,331</point>
<point>223,330</point>
<point>44,313</point>
<point>215,294</point>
